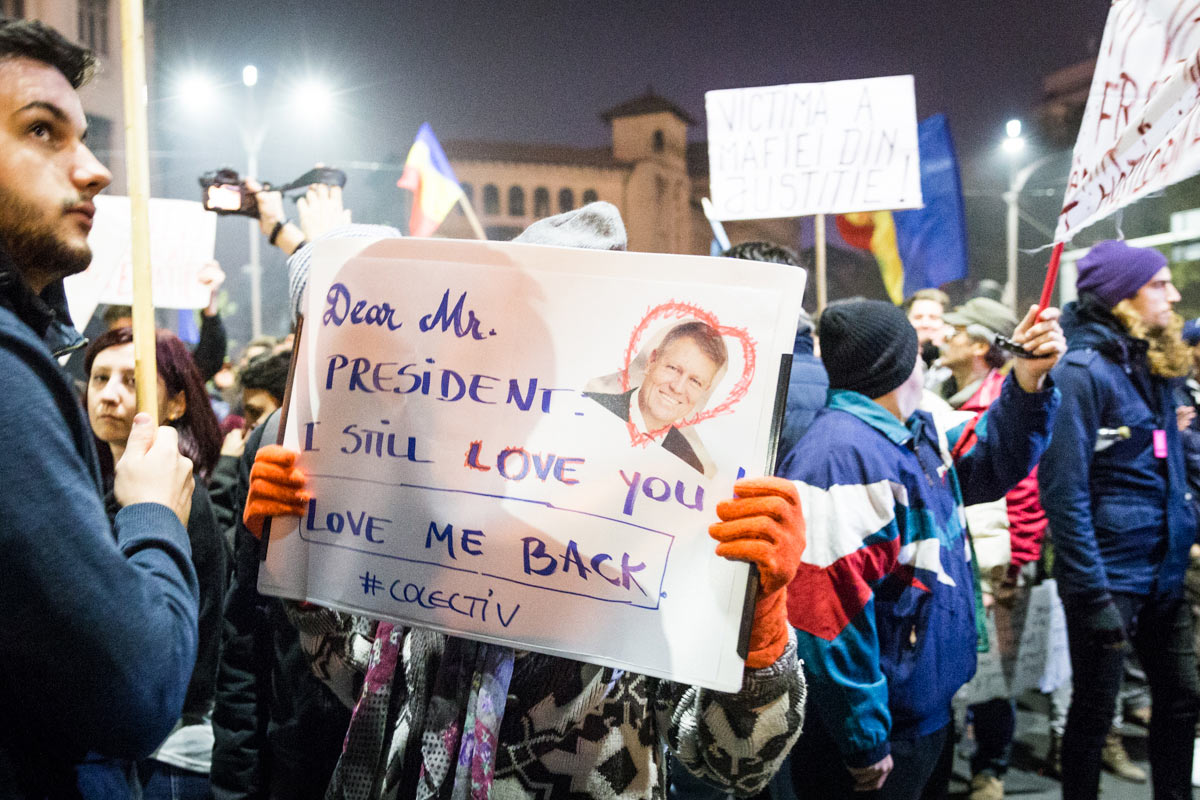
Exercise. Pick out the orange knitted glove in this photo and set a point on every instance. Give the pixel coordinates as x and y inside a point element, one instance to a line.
<point>763,525</point>
<point>276,488</point>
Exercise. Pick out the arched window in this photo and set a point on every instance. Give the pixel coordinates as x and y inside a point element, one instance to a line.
<point>566,200</point>
<point>590,196</point>
<point>516,202</point>
<point>541,202</point>
<point>467,189</point>
<point>659,141</point>
<point>491,199</point>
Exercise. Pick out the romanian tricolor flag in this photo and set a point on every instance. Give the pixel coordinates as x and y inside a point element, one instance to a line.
<point>924,247</point>
<point>429,176</point>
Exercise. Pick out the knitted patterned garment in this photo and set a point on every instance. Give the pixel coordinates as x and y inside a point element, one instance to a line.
<point>575,730</point>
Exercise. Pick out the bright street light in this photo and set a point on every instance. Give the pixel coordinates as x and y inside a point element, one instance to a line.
<point>249,75</point>
<point>197,90</point>
<point>1013,142</point>
<point>313,98</point>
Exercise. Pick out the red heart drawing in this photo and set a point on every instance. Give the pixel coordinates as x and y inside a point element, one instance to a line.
<point>678,310</point>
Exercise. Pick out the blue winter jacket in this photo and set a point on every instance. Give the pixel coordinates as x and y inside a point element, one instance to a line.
<point>807,387</point>
<point>884,601</point>
<point>99,622</point>
<point>1120,517</point>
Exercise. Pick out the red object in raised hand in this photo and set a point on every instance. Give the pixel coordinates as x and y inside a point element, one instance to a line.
<point>763,525</point>
<point>276,488</point>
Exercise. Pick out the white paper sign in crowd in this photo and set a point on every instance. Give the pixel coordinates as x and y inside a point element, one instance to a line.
<point>1142,120</point>
<point>463,411</point>
<point>182,238</point>
<point>813,148</point>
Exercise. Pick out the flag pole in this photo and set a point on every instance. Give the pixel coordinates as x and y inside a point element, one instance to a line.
<point>137,171</point>
<point>822,289</point>
<point>474,220</point>
<point>1051,278</point>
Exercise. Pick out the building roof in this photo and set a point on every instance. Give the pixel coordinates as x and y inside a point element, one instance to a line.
<point>526,153</point>
<point>649,103</point>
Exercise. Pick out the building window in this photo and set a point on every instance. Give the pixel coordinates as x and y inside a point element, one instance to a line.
<point>93,25</point>
<point>1182,221</point>
<point>99,136</point>
<point>566,201</point>
<point>491,199</point>
<point>469,193</point>
<point>541,202</point>
<point>660,141</point>
<point>590,196</point>
<point>13,9</point>
<point>516,202</point>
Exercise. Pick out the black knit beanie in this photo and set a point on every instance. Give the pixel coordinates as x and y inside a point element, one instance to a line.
<point>868,346</point>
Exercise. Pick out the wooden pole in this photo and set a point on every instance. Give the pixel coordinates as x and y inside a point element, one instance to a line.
<point>822,288</point>
<point>474,220</point>
<point>137,171</point>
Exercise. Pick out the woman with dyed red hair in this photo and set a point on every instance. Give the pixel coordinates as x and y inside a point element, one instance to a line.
<point>183,759</point>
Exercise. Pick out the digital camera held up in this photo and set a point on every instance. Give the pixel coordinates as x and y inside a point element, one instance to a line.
<point>225,192</point>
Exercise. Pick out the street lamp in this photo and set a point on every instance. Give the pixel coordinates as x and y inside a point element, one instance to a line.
<point>313,96</point>
<point>253,133</point>
<point>1013,145</point>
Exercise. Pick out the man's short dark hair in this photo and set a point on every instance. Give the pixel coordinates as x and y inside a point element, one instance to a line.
<point>936,295</point>
<point>114,314</point>
<point>267,372</point>
<point>705,337</point>
<point>763,251</point>
<point>29,38</point>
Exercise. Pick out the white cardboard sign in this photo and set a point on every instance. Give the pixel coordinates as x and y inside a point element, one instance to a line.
<point>182,238</point>
<point>1142,119</point>
<point>458,409</point>
<point>813,148</point>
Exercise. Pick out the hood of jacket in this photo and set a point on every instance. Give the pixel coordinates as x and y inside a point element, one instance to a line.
<point>46,313</point>
<point>1088,323</point>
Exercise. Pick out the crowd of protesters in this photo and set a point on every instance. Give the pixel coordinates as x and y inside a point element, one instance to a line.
<point>936,464</point>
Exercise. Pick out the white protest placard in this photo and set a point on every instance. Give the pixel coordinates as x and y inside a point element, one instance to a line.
<point>1142,120</point>
<point>470,416</point>
<point>813,148</point>
<point>182,238</point>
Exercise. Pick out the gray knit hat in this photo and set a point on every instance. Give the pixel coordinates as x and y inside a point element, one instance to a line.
<point>867,346</point>
<point>596,226</point>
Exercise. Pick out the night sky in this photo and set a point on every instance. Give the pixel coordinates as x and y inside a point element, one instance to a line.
<point>542,70</point>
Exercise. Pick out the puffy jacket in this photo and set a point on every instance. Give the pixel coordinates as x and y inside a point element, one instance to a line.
<point>884,601</point>
<point>1119,516</point>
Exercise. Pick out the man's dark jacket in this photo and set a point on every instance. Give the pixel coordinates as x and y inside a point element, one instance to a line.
<point>1120,516</point>
<point>99,621</point>
<point>279,730</point>
<point>673,442</point>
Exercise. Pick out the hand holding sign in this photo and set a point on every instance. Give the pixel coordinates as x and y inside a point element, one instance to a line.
<point>762,524</point>
<point>276,488</point>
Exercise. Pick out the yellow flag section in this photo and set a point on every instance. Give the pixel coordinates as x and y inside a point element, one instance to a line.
<point>526,444</point>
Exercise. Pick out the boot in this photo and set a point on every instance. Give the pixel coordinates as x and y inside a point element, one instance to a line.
<point>1053,763</point>
<point>1117,761</point>
<point>986,786</point>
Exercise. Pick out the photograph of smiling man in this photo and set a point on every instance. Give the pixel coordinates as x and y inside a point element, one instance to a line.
<point>680,374</point>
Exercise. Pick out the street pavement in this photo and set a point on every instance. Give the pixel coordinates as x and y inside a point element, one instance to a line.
<point>1026,778</point>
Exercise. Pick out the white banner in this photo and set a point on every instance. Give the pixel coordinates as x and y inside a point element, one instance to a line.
<point>1142,119</point>
<point>813,148</point>
<point>472,419</point>
<point>182,238</point>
